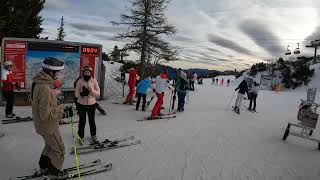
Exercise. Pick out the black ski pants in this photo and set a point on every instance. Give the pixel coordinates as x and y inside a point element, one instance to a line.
<point>253,98</point>
<point>83,111</point>
<point>9,96</point>
<point>144,99</point>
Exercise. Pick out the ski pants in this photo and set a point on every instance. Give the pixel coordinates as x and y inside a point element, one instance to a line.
<point>130,95</point>
<point>144,99</point>
<point>239,100</point>
<point>9,96</point>
<point>54,149</point>
<point>83,111</point>
<point>191,85</point>
<point>253,98</point>
<point>157,106</point>
<point>181,99</point>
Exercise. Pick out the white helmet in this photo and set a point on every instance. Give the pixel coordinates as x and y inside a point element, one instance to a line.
<point>8,63</point>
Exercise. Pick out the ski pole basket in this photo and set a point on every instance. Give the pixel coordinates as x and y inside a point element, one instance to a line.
<point>307,122</point>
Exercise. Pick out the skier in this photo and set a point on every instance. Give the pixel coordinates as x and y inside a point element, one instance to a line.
<point>161,85</point>
<point>222,81</point>
<point>87,89</point>
<point>8,87</point>
<point>217,81</point>
<point>181,89</point>
<point>228,82</point>
<point>98,107</point>
<point>132,82</point>
<point>243,88</point>
<point>46,114</point>
<point>253,96</point>
<point>193,78</point>
<point>142,89</point>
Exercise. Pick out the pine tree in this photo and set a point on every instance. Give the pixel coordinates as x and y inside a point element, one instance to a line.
<point>20,18</point>
<point>146,26</point>
<point>61,33</point>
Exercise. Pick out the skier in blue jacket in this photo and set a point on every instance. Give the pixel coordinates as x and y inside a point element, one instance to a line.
<point>142,89</point>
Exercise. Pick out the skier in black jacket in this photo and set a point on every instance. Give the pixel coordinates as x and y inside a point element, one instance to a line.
<point>243,88</point>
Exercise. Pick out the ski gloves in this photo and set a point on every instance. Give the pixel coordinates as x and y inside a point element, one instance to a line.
<point>85,91</point>
<point>68,112</point>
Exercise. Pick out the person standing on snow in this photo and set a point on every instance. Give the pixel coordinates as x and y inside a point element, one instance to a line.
<point>181,89</point>
<point>243,88</point>
<point>193,78</point>
<point>161,85</point>
<point>142,89</point>
<point>87,89</point>
<point>253,96</point>
<point>46,114</point>
<point>8,87</point>
<point>228,82</point>
<point>222,81</point>
<point>132,83</point>
<point>217,81</point>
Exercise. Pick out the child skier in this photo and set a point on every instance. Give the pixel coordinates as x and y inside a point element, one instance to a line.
<point>8,87</point>
<point>253,96</point>
<point>87,89</point>
<point>46,114</point>
<point>161,85</point>
<point>142,89</point>
<point>243,88</point>
<point>132,83</point>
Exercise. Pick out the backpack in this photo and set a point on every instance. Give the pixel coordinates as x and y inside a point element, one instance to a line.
<point>183,84</point>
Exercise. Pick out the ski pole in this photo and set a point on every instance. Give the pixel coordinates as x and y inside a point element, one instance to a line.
<point>170,102</point>
<point>75,148</point>
<point>230,100</point>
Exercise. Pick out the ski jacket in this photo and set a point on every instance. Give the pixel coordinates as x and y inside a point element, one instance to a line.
<point>7,80</point>
<point>194,77</point>
<point>162,84</point>
<point>143,86</point>
<point>132,78</point>
<point>46,112</point>
<point>94,91</point>
<point>243,87</point>
<point>255,89</point>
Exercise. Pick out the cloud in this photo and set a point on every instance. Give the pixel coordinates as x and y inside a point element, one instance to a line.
<point>315,35</point>
<point>226,43</point>
<point>262,36</point>
<point>105,37</point>
<point>180,38</point>
<point>96,28</point>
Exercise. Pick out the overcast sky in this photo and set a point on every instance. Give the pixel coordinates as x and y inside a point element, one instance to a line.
<point>212,34</point>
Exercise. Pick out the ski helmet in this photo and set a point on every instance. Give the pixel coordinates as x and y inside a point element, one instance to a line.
<point>7,63</point>
<point>86,68</point>
<point>53,64</point>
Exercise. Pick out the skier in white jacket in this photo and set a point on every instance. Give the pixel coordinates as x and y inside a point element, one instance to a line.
<point>253,96</point>
<point>161,85</point>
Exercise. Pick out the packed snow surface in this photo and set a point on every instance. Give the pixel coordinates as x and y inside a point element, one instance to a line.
<point>206,142</point>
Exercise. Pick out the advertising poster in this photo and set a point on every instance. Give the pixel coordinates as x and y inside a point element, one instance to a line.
<point>70,55</point>
<point>15,51</point>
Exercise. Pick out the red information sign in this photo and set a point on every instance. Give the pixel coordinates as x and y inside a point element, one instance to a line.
<point>15,51</point>
<point>88,57</point>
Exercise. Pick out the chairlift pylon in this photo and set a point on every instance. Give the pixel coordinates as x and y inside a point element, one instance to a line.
<point>297,50</point>
<point>288,52</point>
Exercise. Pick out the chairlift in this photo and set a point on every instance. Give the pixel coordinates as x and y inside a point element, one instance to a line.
<point>288,52</point>
<point>297,50</point>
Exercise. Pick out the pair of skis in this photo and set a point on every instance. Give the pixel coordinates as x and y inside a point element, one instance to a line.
<point>89,168</point>
<point>28,119</point>
<point>163,116</point>
<point>17,120</point>
<point>107,144</point>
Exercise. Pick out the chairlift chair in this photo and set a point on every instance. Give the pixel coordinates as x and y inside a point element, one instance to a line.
<point>288,52</point>
<point>297,50</point>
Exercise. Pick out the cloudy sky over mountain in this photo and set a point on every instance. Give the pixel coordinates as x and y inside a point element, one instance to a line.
<point>224,34</point>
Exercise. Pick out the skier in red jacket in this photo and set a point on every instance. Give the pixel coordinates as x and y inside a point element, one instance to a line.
<point>132,82</point>
<point>8,86</point>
